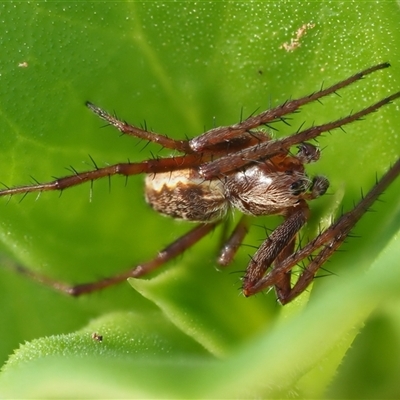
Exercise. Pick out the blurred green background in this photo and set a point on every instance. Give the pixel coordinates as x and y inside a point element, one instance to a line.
<point>183,68</point>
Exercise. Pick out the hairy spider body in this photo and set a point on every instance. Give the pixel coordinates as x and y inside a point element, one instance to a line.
<point>265,188</point>
<point>242,167</point>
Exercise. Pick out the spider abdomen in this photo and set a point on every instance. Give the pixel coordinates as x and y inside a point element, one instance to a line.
<point>183,194</point>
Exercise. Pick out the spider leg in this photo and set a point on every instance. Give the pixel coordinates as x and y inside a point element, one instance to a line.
<point>231,245</point>
<point>280,245</point>
<point>214,137</point>
<point>225,133</point>
<point>126,129</point>
<point>283,284</point>
<point>268,149</point>
<point>224,147</point>
<point>280,239</point>
<point>171,251</point>
<point>126,169</point>
<point>327,243</point>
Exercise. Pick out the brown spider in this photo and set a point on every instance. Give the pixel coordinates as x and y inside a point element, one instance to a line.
<point>240,167</point>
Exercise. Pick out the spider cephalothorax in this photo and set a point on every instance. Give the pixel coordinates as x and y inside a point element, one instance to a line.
<point>242,167</point>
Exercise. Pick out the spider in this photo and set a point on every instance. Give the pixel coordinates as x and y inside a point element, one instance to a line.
<point>242,167</point>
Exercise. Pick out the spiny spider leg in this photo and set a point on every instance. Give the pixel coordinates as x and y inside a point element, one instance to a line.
<point>232,244</point>
<point>173,250</point>
<point>183,146</point>
<point>127,169</point>
<point>268,149</point>
<point>214,137</point>
<point>224,133</point>
<point>125,128</point>
<point>278,241</point>
<point>328,242</point>
<point>282,285</point>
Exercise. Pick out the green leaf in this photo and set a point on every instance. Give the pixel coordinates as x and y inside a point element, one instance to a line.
<point>182,68</point>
